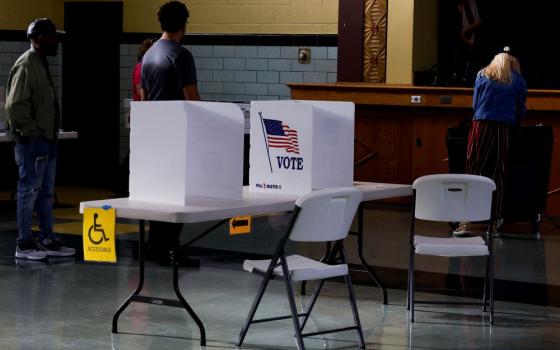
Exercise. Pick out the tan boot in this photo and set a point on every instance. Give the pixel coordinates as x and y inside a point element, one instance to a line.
<point>463,229</point>
<point>496,225</point>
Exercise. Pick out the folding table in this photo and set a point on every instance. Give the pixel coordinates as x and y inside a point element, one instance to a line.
<point>202,209</point>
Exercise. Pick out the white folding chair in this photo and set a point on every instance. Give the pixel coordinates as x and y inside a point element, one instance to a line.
<point>452,198</point>
<point>320,216</point>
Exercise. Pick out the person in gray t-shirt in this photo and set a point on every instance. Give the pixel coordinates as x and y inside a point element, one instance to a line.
<point>168,70</point>
<point>169,73</point>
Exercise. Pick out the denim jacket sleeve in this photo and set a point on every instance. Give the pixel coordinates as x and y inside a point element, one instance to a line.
<point>520,107</point>
<point>477,90</point>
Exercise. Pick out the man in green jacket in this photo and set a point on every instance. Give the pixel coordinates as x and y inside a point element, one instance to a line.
<point>33,116</point>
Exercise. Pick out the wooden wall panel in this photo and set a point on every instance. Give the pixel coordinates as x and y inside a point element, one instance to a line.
<point>553,199</point>
<point>383,147</point>
<point>429,140</point>
<point>350,40</point>
<point>388,128</point>
<point>375,40</point>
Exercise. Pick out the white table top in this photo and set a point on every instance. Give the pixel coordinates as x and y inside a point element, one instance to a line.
<point>63,135</point>
<point>201,209</point>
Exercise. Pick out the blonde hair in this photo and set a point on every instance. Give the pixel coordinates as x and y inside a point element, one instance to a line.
<point>500,68</point>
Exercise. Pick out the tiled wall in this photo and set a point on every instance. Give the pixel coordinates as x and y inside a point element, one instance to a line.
<point>241,73</point>
<point>225,73</point>
<point>245,73</point>
<point>11,50</point>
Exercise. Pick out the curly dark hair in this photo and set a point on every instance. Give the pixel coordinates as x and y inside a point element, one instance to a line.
<point>144,47</point>
<point>173,16</point>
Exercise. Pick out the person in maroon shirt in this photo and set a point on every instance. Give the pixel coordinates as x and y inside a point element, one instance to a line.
<point>137,71</point>
<point>121,184</point>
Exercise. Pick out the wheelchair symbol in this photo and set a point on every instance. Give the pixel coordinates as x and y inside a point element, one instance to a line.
<point>96,228</point>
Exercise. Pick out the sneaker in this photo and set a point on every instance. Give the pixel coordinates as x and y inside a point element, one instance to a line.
<point>29,250</point>
<point>463,229</point>
<point>496,225</point>
<point>496,230</point>
<point>54,248</point>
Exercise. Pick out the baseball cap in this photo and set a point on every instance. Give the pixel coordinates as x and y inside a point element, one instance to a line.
<point>42,26</point>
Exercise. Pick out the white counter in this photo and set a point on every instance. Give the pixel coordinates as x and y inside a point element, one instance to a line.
<point>63,135</point>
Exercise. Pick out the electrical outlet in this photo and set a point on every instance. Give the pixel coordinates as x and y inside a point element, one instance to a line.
<point>415,99</point>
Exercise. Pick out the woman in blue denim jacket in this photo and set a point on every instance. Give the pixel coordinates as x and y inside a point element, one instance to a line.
<point>500,93</point>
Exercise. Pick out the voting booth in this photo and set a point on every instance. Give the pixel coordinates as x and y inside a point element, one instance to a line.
<point>300,146</point>
<point>180,149</point>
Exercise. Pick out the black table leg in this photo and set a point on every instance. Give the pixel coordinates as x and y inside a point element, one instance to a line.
<point>366,267</point>
<point>141,262</point>
<point>136,297</point>
<point>184,303</point>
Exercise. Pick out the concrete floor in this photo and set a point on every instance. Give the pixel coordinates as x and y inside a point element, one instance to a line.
<point>66,303</point>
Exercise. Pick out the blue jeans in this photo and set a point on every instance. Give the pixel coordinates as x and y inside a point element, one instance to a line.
<point>36,161</point>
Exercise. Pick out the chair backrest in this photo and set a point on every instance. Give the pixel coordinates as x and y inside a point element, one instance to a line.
<point>325,215</point>
<point>453,197</point>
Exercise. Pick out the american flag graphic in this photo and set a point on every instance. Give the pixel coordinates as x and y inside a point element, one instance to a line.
<point>279,135</point>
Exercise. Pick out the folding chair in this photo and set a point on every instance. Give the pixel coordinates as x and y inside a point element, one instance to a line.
<point>320,216</point>
<point>450,198</point>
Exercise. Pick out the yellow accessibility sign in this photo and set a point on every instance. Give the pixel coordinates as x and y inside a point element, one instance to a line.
<point>99,235</point>
<point>239,224</point>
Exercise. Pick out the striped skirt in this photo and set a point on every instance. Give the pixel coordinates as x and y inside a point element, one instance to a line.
<point>487,152</point>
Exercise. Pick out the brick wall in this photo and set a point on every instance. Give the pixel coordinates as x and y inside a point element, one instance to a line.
<point>241,16</point>
<point>11,50</point>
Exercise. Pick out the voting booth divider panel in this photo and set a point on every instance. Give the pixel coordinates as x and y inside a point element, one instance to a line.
<point>180,149</point>
<point>300,146</point>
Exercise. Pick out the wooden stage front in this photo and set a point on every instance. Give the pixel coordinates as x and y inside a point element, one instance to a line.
<point>397,140</point>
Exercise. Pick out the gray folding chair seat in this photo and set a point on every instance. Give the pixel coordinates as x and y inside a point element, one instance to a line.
<point>450,247</point>
<point>301,268</point>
